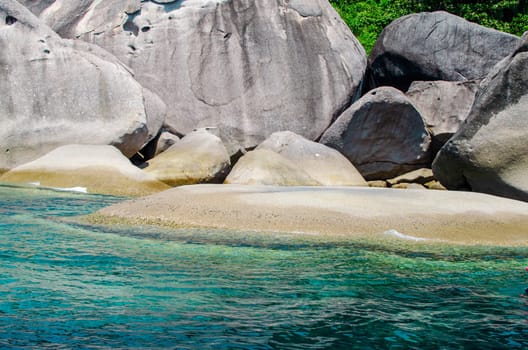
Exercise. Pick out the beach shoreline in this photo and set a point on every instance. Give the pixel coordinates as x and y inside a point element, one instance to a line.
<point>331,213</point>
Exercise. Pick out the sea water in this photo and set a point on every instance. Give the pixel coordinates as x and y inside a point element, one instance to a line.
<point>65,285</point>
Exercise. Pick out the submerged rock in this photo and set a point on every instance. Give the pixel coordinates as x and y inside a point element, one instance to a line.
<point>98,169</point>
<point>197,158</point>
<point>490,151</point>
<point>435,46</point>
<point>265,167</point>
<point>324,164</point>
<point>248,67</point>
<point>55,92</point>
<point>382,134</point>
<point>330,213</point>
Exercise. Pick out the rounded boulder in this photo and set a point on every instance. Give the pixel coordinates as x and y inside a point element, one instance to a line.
<point>382,134</point>
<point>324,164</point>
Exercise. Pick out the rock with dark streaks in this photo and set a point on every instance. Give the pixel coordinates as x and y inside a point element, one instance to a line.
<point>382,134</point>
<point>248,67</point>
<point>435,46</point>
<point>55,92</point>
<point>490,151</point>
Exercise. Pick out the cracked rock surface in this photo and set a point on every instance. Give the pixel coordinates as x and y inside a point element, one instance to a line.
<point>435,46</point>
<point>247,67</point>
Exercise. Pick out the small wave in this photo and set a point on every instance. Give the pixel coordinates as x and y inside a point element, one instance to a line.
<point>71,189</point>
<point>403,236</point>
<point>61,189</point>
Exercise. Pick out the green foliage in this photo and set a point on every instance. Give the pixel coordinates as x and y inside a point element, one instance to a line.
<point>367,18</point>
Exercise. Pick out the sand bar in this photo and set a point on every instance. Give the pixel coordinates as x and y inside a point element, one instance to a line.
<point>333,212</point>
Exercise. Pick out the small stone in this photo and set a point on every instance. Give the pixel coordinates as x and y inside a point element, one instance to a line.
<point>377,183</point>
<point>419,176</point>
<point>408,186</point>
<point>434,185</point>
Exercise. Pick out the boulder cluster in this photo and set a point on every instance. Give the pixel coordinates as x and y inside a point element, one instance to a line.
<point>280,92</point>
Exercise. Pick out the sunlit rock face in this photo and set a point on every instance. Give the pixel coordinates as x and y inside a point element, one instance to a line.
<point>489,153</point>
<point>247,67</point>
<point>55,91</point>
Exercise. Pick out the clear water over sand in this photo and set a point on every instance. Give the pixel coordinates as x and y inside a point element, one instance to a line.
<point>65,285</point>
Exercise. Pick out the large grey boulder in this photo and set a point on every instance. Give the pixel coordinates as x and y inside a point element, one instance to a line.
<point>324,164</point>
<point>435,46</point>
<point>444,105</point>
<point>248,67</point>
<point>266,167</point>
<point>382,134</point>
<point>490,151</point>
<point>199,157</point>
<point>55,92</point>
<point>89,168</point>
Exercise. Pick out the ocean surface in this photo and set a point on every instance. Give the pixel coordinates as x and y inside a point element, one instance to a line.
<point>65,285</point>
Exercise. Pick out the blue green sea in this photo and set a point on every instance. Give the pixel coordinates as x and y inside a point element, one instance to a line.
<point>69,285</point>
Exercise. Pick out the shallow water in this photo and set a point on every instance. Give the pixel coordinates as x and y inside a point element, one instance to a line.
<point>64,285</point>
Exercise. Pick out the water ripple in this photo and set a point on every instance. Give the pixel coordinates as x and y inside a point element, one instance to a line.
<point>65,286</point>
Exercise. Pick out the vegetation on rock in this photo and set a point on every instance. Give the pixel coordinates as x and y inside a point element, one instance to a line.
<point>367,18</point>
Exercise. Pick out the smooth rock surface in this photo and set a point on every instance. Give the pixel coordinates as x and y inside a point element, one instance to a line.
<point>156,111</point>
<point>382,134</point>
<point>97,168</point>
<point>248,67</point>
<point>55,92</point>
<point>323,164</point>
<point>265,167</point>
<point>199,157</point>
<point>330,213</point>
<point>435,46</point>
<point>444,105</point>
<point>490,151</point>
<point>37,6</point>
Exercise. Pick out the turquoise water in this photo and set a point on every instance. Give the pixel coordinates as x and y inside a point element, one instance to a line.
<point>64,285</point>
